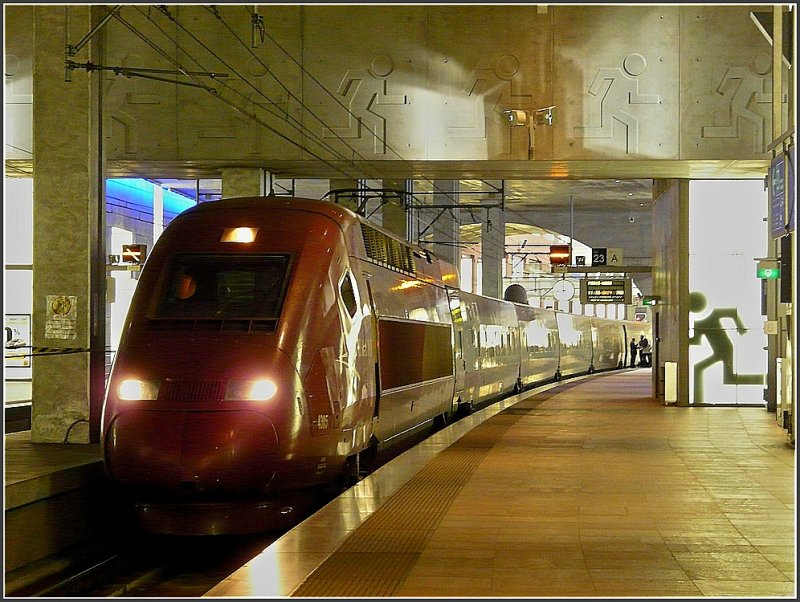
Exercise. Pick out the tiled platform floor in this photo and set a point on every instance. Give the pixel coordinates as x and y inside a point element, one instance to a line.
<point>591,488</point>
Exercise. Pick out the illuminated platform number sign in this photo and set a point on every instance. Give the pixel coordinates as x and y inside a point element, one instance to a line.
<point>606,290</point>
<point>134,253</point>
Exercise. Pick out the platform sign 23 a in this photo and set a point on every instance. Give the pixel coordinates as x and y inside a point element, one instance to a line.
<point>607,256</point>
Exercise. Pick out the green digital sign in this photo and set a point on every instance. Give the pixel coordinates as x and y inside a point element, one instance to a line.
<point>650,300</point>
<point>768,273</point>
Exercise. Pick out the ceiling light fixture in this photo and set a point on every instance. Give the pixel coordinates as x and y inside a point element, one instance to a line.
<point>519,117</point>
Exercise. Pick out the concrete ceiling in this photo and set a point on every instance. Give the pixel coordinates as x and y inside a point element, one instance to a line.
<point>529,185</point>
<point>540,185</point>
<point>604,195</point>
<point>520,195</point>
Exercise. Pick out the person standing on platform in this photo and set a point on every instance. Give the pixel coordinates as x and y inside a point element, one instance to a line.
<point>633,347</point>
<point>643,344</point>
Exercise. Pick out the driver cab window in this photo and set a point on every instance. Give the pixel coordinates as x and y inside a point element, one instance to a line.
<point>348,295</point>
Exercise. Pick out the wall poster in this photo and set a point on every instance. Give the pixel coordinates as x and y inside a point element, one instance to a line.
<point>17,350</point>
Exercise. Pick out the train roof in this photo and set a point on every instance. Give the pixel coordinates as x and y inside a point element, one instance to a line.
<point>366,242</point>
<point>332,210</point>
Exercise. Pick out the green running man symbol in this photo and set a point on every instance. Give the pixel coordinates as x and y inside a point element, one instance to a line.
<point>721,346</point>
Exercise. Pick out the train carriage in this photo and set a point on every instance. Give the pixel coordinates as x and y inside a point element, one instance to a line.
<point>608,344</point>
<point>487,335</point>
<point>540,345</point>
<point>414,351</point>
<point>575,344</point>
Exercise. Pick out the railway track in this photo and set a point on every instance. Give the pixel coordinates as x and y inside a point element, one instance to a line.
<point>158,566</point>
<point>133,563</point>
<point>143,565</point>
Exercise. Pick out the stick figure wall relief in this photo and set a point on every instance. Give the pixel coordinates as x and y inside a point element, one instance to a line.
<point>363,91</point>
<point>710,326</point>
<point>743,89</point>
<point>488,92</point>
<point>617,90</point>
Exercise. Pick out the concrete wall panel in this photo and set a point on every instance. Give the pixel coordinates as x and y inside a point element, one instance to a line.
<point>260,96</point>
<point>484,60</point>
<point>140,117</point>
<point>726,83</point>
<point>366,80</point>
<point>422,82</point>
<point>617,82</point>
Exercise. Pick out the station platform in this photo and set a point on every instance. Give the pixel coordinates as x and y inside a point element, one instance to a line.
<point>584,488</point>
<point>55,499</point>
<point>34,471</point>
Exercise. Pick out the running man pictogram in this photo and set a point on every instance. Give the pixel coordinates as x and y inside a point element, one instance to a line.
<point>364,90</point>
<point>618,89</point>
<point>712,329</point>
<point>744,88</point>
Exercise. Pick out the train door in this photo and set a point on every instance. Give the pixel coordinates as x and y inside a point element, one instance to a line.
<point>626,361</point>
<point>457,311</point>
<point>355,359</point>
<point>469,339</point>
<point>372,324</point>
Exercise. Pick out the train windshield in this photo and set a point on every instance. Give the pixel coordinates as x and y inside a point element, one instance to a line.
<point>221,287</point>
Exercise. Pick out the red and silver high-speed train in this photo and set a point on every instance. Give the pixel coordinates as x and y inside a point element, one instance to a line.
<point>271,342</point>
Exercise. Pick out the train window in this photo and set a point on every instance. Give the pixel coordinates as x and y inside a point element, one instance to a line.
<point>413,352</point>
<point>224,287</point>
<point>348,295</point>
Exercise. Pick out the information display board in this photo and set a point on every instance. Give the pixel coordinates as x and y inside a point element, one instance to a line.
<point>777,196</point>
<point>606,290</point>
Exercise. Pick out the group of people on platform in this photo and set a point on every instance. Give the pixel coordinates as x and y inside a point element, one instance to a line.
<point>644,350</point>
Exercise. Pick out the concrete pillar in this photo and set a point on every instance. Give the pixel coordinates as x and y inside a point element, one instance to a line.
<point>243,181</point>
<point>670,241</point>
<point>394,217</point>
<point>68,226</point>
<point>493,248</point>
<point>344,199</point>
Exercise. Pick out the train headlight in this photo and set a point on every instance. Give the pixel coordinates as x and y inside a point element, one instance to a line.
<point>244,235</point>
<point>251,390</point>
<point>132,389</point>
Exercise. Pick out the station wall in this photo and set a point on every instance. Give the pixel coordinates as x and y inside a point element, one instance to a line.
<point>677,85</point>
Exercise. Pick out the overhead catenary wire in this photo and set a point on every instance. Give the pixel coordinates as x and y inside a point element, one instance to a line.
<point>283,115</point>
<point>215,93</point>
<point>341,104</point>
<point>277,79</point>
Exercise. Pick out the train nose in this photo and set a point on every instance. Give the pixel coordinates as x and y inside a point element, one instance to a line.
<point>193,452</point>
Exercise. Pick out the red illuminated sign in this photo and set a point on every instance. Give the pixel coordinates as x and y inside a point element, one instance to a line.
<point>559,254</point>
<point>134,253</point>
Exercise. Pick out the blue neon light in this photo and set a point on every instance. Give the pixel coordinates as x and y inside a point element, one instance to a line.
<point>138,191</point>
